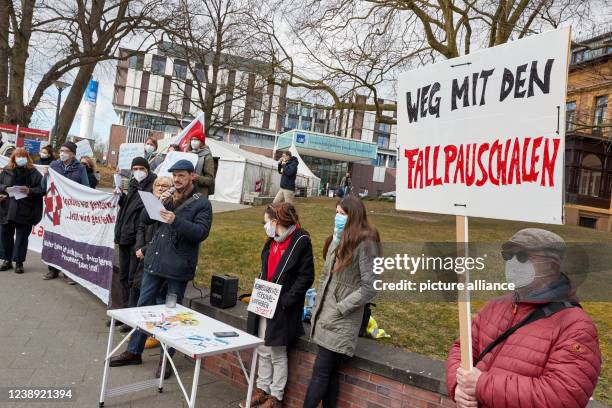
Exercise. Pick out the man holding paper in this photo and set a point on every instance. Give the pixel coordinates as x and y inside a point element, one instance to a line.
<point>172,255</point>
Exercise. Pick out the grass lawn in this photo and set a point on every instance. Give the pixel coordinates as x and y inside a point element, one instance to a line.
<point>235,243</point>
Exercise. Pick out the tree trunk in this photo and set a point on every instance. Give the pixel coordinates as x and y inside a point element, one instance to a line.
<point>73,100</point>
<point>4,56</point>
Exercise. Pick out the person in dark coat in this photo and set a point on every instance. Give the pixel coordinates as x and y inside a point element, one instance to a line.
<point>286,259</point>
<point>172,255</point>
<point>287,167</point>
<point>128,219</point>
<point>68,166</point>
<point>18,216</point>
<point>45,156</point>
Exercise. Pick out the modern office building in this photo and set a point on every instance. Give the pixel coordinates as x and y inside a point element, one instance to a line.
<point>156,92</point>
<point>588,154</point>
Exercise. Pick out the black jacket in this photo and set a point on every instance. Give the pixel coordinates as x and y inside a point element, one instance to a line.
<point>27,211</point>
<point>130,207</point>
<point>91,176</point>
<point>173,252</point>
<point>44,162</point>
<point>295,273</point>
<point>289,173</point>
<point>145,233</point>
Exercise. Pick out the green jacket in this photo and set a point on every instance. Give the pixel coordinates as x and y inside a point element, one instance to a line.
<point>341,299</point>
<point>205,169</point>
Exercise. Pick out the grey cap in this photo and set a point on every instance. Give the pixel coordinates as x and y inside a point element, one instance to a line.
<point>537,239</point>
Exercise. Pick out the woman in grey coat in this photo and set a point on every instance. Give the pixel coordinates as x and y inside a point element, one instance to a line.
<point>346,286</point>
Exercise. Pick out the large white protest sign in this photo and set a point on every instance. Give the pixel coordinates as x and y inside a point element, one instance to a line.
<point>127,152</point>
<point>173,157</point>
<point>264,298</point>
<point>84,149</point>
<point>483,135</point>
<point>71,209</point>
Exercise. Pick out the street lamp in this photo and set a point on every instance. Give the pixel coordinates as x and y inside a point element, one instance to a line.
<point>60,85</point>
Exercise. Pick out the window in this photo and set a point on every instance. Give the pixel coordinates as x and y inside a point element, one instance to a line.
<point>379,160</point>
<point>383,141</point>
<point>384,127</point>
<point>136,61</point>
<point>392,162</point>
<point>588,222</point>
<point>306,124</point>
<point>292,123</point>
<point>292,108</point>
<point>570,113</point>
<point>590,176</point>
<point>306,111</point>
<point>601,105</point>
<point>158,65</point>
<point>199,72</point>
<point>180,69</point>
<point>578,56</point>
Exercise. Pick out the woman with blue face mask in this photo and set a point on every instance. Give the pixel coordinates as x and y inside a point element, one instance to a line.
<point>346,286</point>
<point>21,205</point>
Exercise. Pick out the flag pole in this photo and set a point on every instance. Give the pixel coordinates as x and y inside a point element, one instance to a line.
<point>463,295</point>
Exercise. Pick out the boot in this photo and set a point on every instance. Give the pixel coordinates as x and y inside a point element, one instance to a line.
<point>271,402</point>
<point>257,398</point>
<point>125,358</point>
<point>19,268</point>
<point>52,274</point>
<point>168,370</point>
<point>6,265</point>
<point>68,280</point>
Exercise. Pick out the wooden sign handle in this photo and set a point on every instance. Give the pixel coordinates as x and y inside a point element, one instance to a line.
<point>463,296</point>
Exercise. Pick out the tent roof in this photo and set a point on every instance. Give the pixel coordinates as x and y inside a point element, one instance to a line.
<point>227,151</point>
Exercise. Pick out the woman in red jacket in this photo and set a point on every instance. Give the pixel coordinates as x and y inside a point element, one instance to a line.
<point>553,361</point>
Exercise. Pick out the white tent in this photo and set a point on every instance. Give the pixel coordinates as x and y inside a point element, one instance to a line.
<point>239,171</point>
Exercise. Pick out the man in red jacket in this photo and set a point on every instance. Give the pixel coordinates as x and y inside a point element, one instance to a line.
<point>551,361</point>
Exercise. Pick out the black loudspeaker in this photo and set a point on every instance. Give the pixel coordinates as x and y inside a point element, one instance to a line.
<point>223,291</point>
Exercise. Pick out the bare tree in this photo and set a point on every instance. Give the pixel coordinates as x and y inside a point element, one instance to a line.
<point>389,36</point>
<point>213,43</point>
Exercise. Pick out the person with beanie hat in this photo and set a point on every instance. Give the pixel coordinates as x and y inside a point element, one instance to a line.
<point>130,208</point>
<point>68,166</point>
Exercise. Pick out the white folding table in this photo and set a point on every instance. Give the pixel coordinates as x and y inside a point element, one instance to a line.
<point>206,327</point>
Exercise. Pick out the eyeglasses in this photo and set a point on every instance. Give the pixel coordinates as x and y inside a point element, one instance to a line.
<point>521,256</point>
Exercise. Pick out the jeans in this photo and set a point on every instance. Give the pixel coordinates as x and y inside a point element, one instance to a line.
<point>149,291</point>
<point>273,366</point>
<point>127,268</point>
<point>324,384</point>
<point>14,241</point>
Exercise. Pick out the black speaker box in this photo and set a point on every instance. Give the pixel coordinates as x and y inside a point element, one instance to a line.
<point>223,291</point>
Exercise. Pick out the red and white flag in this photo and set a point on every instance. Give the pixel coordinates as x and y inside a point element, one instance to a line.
<point>194,129</point>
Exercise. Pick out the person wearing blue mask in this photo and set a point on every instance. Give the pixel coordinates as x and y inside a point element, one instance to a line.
<point>345,288</point>
<point>21,205</point>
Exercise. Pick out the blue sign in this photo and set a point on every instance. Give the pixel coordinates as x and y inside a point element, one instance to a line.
<point>31,146</point>
<point>91,93</point>
<point>300,138</point>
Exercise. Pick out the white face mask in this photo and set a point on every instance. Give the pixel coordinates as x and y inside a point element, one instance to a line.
<point>195,144</point>
<point>521,274</point>
<point>270,229</point>
<point>64,156</point>
<point>149,148</point>
<point>139,175</point>
<point>21,161</point>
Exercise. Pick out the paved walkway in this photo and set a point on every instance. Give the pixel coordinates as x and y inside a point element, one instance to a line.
<point>53,334</point>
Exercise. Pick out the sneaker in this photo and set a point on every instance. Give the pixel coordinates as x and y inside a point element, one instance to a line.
<point>125,358</point>
<point>257,398</point>
<point>19,268</point>
<point>52,274</point>
<point>6,265</point>
<point>271,402</point>
<point>151,343</point>
<point>168,371</point>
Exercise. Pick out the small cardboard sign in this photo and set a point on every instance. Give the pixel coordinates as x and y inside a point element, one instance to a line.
<point>264,298</point>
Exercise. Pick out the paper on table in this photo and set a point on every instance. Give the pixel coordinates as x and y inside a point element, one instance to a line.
<point>147,316</point>
<point>152,205</point>
<point>17,192</point>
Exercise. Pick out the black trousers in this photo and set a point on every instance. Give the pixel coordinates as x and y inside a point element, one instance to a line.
<point>14,241</point>
<point>324,384</point>
<point>127,269</point>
